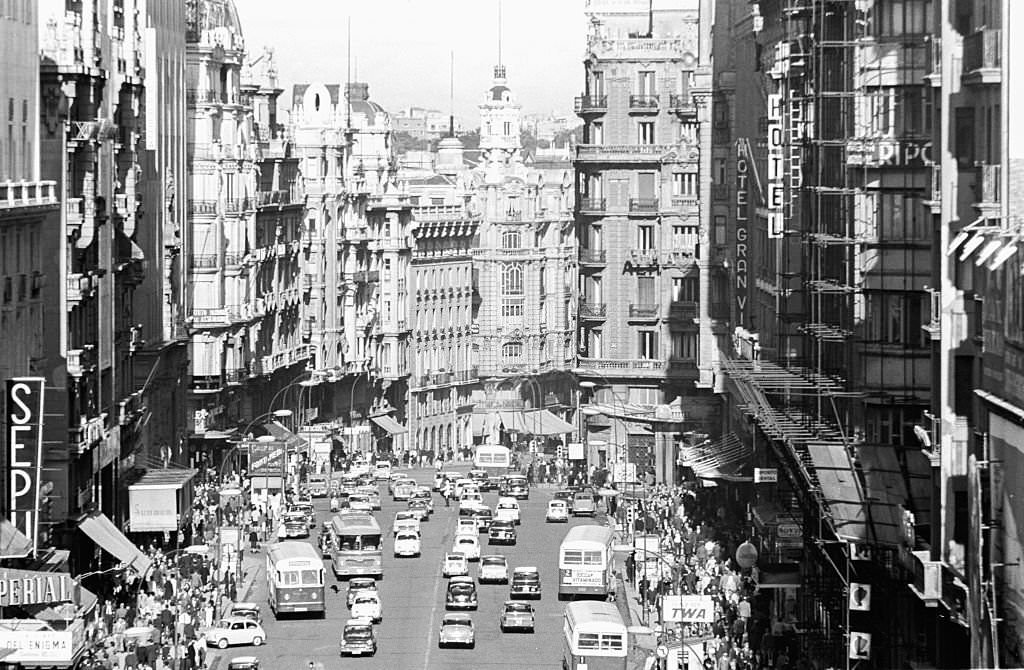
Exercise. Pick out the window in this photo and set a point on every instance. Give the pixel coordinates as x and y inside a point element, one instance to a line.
<point>898,19</point>
<point>508,128</point>
<point>645,290</point>
<point>597,132</point>
<point>898,217</point>
<point>387,269</point>
<point>964,132</point>
<point>645,83</point>
<point>511,239</point>
<point>684,346</point>
<point>512,279</point>
<point>684,237</point>
<point>719,229</point>
<point>895,318</point>
<point>645,237</point>
<point>684,184</point>
<point>685,289</point>
<point>597,83</point>
<point>512,351</point>
<point>647,344</point>
<point>721,173</point>
<point>645,132</point>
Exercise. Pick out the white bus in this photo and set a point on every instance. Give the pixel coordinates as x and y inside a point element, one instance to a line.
<point>585,562</point>
<point>356,545</point>
<point>595,637</point>
<point>493,459</point>
<point>295,578</point>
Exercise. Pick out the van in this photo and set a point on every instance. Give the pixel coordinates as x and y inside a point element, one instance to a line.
<point>583,503</point>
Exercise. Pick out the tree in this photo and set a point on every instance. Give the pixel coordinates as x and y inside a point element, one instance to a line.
<point>404,143</point>
<point>562,136</point>
<point>528,141</point>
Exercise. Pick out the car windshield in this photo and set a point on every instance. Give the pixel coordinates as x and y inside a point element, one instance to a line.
<point>355,585</point>
<point>526,577</point>
<point>493,560</point>
<point>517,607</point>
<point>457,621</point>
<point>407,536</point>
<point>223,623</point>
<point>503,524</point>
<point>405,516</point>
<point>460,588</point>
<point>365,600</point>
<point>469,541</point>
<point>357,633</point>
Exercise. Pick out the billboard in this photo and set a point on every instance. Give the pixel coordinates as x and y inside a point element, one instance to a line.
<point>24,454</point>
<point>688,609</point>
<point>266,458</point>
<point>29,587</point>
<point>31,643</point>
<point>152,509</point>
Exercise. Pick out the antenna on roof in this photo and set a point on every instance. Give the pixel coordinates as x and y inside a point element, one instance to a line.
<point>499,33</point>
<point>451,98</point>
<point>348,75</point>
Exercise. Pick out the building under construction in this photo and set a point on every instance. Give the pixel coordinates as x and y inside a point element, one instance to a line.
<point>822,163</point>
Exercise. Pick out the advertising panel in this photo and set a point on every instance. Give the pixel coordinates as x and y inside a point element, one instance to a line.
<point>152,509</point>
<point>24,457</point>
<point>266,458</point>
<point>688,609</point>
<point>30,587</point>
<point>41,647</point>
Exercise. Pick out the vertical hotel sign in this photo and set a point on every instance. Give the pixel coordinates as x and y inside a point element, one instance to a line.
<point>743,171</point>
<point>24,453</point>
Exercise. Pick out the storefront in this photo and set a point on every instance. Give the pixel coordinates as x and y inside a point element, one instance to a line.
<point>41,644</point>
<point>160,502</point>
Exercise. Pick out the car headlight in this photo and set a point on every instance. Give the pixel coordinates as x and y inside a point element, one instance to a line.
<point>287,596</point>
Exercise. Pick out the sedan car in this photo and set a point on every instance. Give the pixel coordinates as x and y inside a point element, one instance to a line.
<point>367,606</point>
<point>295,525</point>
<point>406,520</point>
<point>357,585</point>
<point>372,495</point>
<point>516,615</point>
<point>421,509</point>
<point>493,569</point>
<point>525,583</point>
<point>558,512</point>
<point>566,495</point>
<point>246,609</point>
<point>306,507</point>
<point>360,502</point>
<point>453,565</point>
<point>483,516</point>
<point>456,629</point>
<point>501,532</point>
<point>235,630</point>
<point>358,638</point>
<point>407,543</point>
<point>461,594</point>
<point>466,526</point>
<point>507,508</point>
<point>468,545</point>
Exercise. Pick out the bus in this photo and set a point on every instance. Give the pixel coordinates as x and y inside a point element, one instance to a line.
<point>495,460</point>
<point>356,545</point>
<point>585,562</point>
<point>595,637</point>
<point>295,578</point>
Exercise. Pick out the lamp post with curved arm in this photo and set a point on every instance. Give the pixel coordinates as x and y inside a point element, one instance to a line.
<point>280,414</point>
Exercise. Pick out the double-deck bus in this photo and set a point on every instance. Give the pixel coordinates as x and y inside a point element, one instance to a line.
<point>295,578</point>
<point>595,637</point>
<point>356,545</point>
<point>585,562</point>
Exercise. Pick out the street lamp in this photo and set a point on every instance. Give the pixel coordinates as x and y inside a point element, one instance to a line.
<point>278,413</point>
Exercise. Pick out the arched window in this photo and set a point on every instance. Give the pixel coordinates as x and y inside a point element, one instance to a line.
<point>511,239</point>
<point>512,351</point>
<point>512,279</point>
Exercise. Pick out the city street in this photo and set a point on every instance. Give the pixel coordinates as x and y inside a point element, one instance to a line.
<point>413,593</point>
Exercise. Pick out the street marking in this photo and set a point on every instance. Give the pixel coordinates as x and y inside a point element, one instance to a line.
<point>435,599</point>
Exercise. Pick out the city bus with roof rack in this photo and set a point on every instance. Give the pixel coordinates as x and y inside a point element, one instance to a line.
<point>594,637</point>
<point>295,578</point>
<point>585,562</point>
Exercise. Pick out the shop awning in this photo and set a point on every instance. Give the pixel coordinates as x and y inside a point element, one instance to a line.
<point>282,434</point>
<point>717,460</point>
<point>780,576</point>
<point>479,424</point>
<point>13,543</point>
<point>543,422</point>
<point>166,478</point>
<point>389,424</point>
<point>513,421</point>
<point>104,533</point>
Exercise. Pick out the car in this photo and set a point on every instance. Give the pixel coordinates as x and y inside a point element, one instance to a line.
<point>466,526</point>
<point>454,565</point>
<point>463,482</point>
<point>558,511</point>
<point>356,585</point>
<point>516,486</point>
<point>394,479</point>
<point>501,532</point>
<point>470,501</point>
<point>246,609</point>
<point>403,489</point>
<point>516,615</point>
<point>566,495</point>
<point>358,638</point>
<point>306,507</point>
<point>493,569</point>
<point>507,509</point>
<point>484,516</point>
<point>468,545</point>
<point>525,583</point>
<point>317,486</point>
<point>366,605</point>
<point>382,470</point>
<point>372,494</point>
<point>456,629</point>
<point>244,663</point>
<point>406,520</point>
<point>295,524</point>
<point>420,509</point>
<point>481,479</point>
<point>360,502</point>
<point>235,630</point>
<point>460,594</point>
<point>407,543</point>
<point>424,494</point>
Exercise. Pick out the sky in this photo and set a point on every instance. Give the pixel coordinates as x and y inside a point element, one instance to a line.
<point>402,48</point>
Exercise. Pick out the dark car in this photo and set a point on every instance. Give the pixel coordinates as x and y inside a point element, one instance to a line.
<point>516,487</point>
<point>525,583</point>
<point>566,495</point>
<point>484,517</point>
<point>461,594</point>
<point>481,478</point>
<point>501,532</point>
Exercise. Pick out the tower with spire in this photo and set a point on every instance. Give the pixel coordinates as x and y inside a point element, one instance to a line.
<point>500,117</point>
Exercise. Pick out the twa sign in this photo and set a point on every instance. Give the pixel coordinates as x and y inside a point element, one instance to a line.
<point>688,609</point>
<point>24,417</point>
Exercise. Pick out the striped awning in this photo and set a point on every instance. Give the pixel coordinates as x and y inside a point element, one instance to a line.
<point>722,459</point>
<point>542,422</point>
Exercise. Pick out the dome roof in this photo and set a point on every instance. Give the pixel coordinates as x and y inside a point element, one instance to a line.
<point>202,15</point>
<point>450,143</point>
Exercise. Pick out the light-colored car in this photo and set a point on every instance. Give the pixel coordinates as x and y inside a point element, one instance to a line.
<point>583,503</point>
<point>235,630</point>
<point>317,486</point>
<point>406,520</point>
<point>394,479</point>
<point>493,569</point>
<point>356,585</point>
<point>558,511</point>
<point>425,494</point>
<point>403,489</point>
<point>516,615</point>
<point>407,544</point>
<point>456,629</point>
<point>454,565</point>
<point>461,483</point>
<point>466,526</point>
<point>360,502</point>
<point>461,594</point>
<point>507,509</point>
<point>469,502</point>
<point>372,494</point>
<point>295,524</point>
<point>367,605</point>
<point>382,470</point>
<point>358,638</point>
<point>468,545</point>
<point>249,610</point>
<point>421,509</point>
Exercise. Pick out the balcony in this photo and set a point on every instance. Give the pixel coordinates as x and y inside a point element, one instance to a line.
<point>129,409</point>
<point>934,325</point>
<point>643,258</point>
<point>591,104</point>
<point>593,256</point>
<point>927,583</point>
<point>593,310</point>
<point>686,204</point>
<point>624,153</point>
<point>982,60</point>
<point>209,317</point>
<point>682,312</point>
<point>643,312</point>
<point>236,376</point>
<point>233,259</point>
<point>643,205</point>
<point>682,105</point>
<point>81,361</point>
<point>629,367</point>
<point>207,383</point>
<point>645,104</point>
<point>15,195</point>
<point>592,205</point>
<point>74,213</point>
<point>273,198</point>
<point>79,287</point>
<point>643,48</point>
<point>987,185</point>
<point>203,262</point>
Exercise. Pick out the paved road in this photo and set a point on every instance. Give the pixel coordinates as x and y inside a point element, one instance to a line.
<point>413,598</point>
